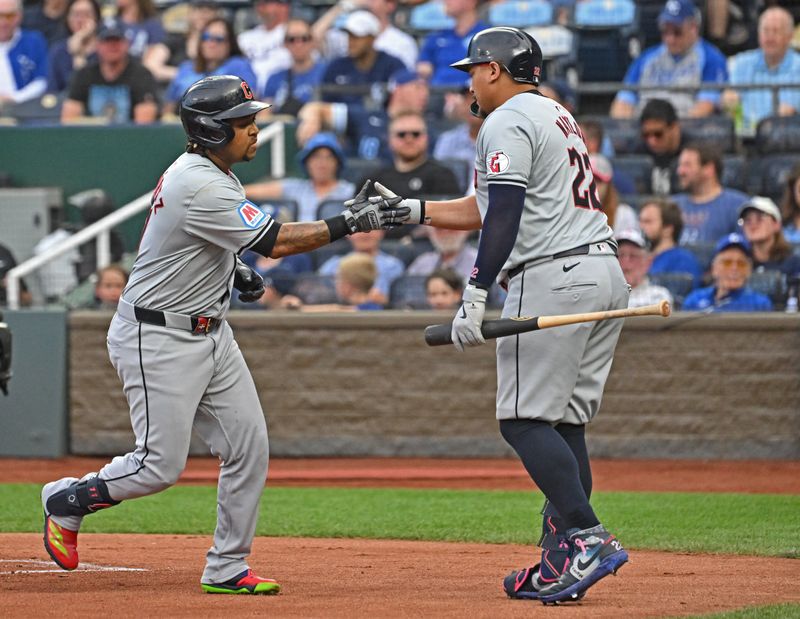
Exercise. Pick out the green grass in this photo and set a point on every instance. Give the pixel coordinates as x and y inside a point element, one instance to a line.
<point>765,525</point>
<point>775,611</point>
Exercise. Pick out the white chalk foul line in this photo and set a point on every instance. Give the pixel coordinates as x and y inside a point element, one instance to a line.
<point>83,567</point>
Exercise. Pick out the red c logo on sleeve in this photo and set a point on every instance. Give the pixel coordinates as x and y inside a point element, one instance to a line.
<point>248,94</point>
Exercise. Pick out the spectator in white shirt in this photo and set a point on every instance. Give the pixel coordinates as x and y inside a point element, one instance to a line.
<point>263,45</point>
<point>634,258</point>
<point>390,39</point>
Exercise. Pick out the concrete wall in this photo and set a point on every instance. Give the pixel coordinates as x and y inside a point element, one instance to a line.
<point>687,387</point>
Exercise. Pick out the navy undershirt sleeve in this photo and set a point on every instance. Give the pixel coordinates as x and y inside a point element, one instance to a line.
<point>499,232</point>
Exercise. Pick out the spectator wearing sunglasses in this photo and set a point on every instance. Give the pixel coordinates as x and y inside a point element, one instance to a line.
<point>289,89</point>
<point>730,269</point>
<point>412,171</point>
<point>218,54</point>
<point>663,140</point>
<point>683,58</point>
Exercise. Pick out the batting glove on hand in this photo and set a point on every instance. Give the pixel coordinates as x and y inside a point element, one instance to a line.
<point>466,330</point>
<point>403,211</point>
<point>364,214</point>
<point>249,283</point>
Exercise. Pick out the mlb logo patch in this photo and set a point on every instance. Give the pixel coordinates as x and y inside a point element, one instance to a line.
<point>251,215</point>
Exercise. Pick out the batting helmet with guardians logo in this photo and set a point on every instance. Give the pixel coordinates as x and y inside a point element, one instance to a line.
<point>514,50</point>
<point>209,103</point>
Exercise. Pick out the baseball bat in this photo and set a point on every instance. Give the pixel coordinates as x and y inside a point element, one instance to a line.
<point>439,335</point>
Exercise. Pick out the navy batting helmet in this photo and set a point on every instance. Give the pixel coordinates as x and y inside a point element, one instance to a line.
<point>210,102</point>
<point>514,50</point>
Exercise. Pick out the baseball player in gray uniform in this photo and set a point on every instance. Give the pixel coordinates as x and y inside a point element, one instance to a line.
<point>544,235</point>
<point>172,348</point>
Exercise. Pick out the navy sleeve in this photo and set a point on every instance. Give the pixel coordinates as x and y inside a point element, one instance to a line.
<point>499,232</point>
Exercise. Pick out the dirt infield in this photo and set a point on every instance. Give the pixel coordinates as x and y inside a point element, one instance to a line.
<point>367,578</point>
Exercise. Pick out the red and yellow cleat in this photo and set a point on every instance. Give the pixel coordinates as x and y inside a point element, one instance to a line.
<point>246,582</point>
<point>61,544</point>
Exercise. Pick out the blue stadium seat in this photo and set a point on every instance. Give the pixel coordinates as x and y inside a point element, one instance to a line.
<point>704,252</point>
<point>771,283</point>
<point>605,13</point>
<point>623,132</point>
<point>322,254</point>
<point>677,282</point>
<point>329,208</point>
<point>559,52</point>
<point>779,134</point>
<point>461,169</point>
<point>768,174</point>
<point>405,249</point>
<point>280,210</point>
<point>734,172</point>
<point>521,13</point>
<point>639,168</point>
<point>313,289</point>
<point>608,39</point>
<point>356,168</point>
<point>716,130</point>
<point>430,16</point>
<point>408,292</point>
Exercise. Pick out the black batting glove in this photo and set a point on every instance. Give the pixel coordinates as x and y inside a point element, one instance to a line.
<point>249,283</point>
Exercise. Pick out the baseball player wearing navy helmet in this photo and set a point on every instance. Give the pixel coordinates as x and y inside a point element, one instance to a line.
<point>174,351</point>
<point>547,240</point>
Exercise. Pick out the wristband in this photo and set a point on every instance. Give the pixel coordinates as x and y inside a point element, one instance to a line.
<point>337,227</point>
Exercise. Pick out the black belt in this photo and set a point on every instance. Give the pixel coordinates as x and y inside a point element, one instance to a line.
<point>577,251</point>
<point>198,324</point>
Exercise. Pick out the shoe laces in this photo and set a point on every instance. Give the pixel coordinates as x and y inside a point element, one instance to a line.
<point>581,544</point>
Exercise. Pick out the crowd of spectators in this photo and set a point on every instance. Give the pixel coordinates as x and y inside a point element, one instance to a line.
<point>373,97</point>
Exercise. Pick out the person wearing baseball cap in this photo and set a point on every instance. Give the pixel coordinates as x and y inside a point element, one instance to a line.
<point>760,219</point>
<point>683,58</point>
<point>730,270</point>
<point>116,86</point>
<point>634,259</point>
<point>363,65</point>
<point>322,160</point>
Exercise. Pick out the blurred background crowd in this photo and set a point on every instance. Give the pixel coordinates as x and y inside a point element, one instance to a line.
<point>691,113</point>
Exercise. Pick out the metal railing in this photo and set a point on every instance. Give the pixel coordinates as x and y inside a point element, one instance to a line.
<point>273,133</point>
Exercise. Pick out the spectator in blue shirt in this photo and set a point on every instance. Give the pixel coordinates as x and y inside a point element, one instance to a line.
<point>730,269</point>
<point>682,59</point>
<point>773,62</point>
<point>389,267</point>
<point>710,211</point>
<point>73,53</point>
<point>790,206</point>
<point>289,89</point>
<point>363,66</point>
<point>218,54</point>
<point>441,49</point>
<point>24,53</point>
<point>661,223</point>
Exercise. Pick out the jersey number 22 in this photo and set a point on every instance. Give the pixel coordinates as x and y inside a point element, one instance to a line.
<point>583,197</point>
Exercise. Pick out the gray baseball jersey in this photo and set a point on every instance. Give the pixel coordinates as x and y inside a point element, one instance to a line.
<point>186,255</point>
<point>177,380</point>
<point>533,142</point>
<point>555,375</point>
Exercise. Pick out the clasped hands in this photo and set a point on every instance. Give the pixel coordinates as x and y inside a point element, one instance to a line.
<point>386,210</point>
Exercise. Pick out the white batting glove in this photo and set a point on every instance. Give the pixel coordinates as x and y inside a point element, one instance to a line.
<point>408,211</point>
<point>466,330</point>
